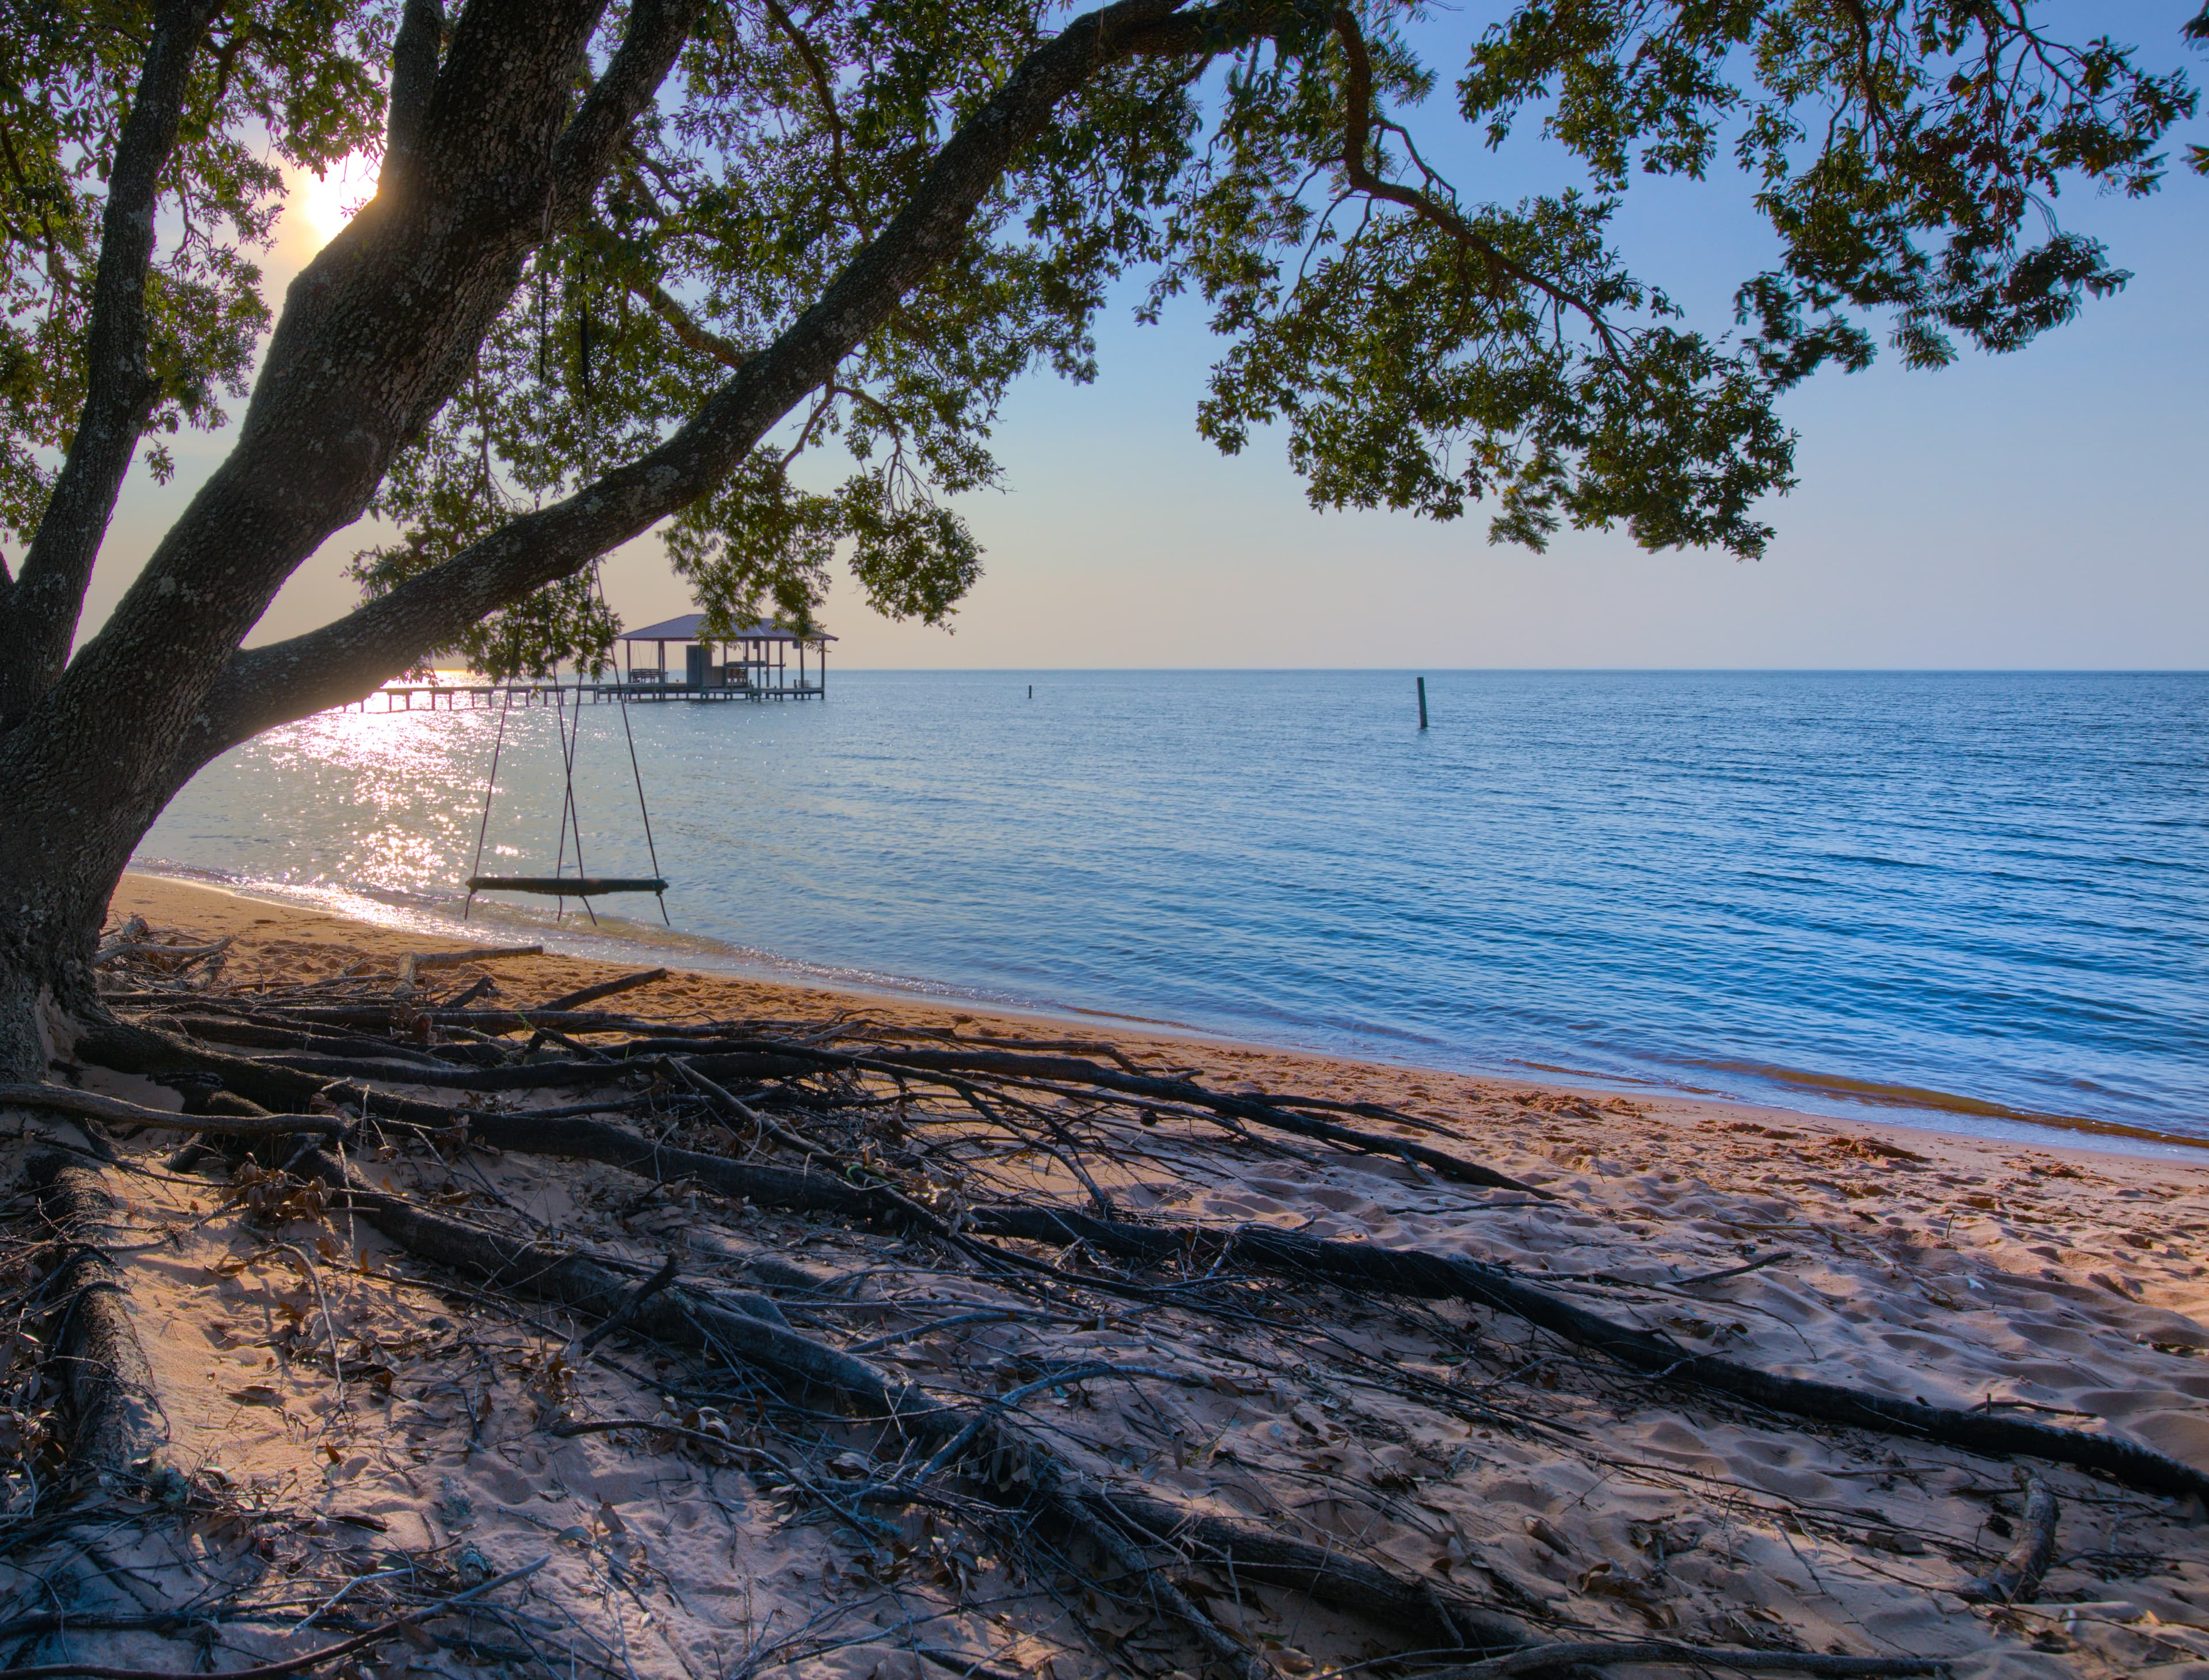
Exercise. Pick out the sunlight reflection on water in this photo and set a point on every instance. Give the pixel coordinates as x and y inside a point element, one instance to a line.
<point>1822,890</point>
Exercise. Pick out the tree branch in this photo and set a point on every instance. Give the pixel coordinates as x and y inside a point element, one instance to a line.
<point>38,619</point>
<point>822,86</point>
<point>352,655</point>
<point>686,327</point>
<point>413,80</point>
<point>377,334</point>
<point>1359,123</point>
<point>656,32</point>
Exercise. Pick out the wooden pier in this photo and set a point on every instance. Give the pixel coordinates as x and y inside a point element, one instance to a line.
<point>754,663</point>
<point>469,696</point>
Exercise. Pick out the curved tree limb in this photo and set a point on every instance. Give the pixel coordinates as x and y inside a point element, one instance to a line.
<point>38,617</point>
<point>349,657</point>
<point>376,333</point>
<point>654,34</point>
<point>689,331</point>
<point>1360,123</point>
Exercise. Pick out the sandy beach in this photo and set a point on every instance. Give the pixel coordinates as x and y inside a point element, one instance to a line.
<point>2061,1284</point>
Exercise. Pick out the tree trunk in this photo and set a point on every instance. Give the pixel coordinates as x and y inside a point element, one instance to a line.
<point>490,161</point>
<point>58,871</point>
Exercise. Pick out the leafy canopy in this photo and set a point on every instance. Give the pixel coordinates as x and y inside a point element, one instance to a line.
<point>1421,347</point>
<point>296,81</point>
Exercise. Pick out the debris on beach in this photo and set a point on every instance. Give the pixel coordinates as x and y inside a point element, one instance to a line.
<point>483,1331</point>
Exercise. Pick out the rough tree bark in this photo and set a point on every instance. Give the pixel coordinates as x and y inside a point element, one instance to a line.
<point>491,155</point>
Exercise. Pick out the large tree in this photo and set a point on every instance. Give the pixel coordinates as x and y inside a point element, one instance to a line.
<point>623,265</point>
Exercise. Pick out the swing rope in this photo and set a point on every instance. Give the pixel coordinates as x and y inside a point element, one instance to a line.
<point>490,785</point>
<point>651,851</point>
<point>570,738</point>
<point>559,885</point>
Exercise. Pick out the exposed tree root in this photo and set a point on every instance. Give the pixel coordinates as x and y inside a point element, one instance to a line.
<point>1368,1267</point>
<point>304,1660</point>
<point>1351,1265</point>
<point>85,1105</point>
<point>130,1047</point>
<point>1590,1653</point>
<point>1338,1580</point>
<point>1112,1521</point>
<point>726,1059</point>
<point>115,1409</point>
<point>845,1120</point>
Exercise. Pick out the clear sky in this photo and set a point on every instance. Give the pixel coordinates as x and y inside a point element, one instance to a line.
<point>2038,510</point>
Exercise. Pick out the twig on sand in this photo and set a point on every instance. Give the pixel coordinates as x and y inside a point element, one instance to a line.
<point>2018,1575</point>
<point>728,1099</point>
<point>329,1324</point>
<point>627,1311</point>
<point>289,1665</point>
<point>604,989</point>
<point>1757,1265</point>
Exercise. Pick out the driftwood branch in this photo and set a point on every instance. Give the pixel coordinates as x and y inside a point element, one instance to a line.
<point>2018,1576</point>
<point>415,961</point>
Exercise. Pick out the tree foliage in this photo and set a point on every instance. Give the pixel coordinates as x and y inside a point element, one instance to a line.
<point>1422,345</point>
<point>296,81</point>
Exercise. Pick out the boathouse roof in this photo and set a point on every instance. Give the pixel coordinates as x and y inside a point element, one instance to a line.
<point>686,628</point>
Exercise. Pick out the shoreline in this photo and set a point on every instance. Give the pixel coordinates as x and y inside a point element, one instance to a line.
<point>2036,1282</point>
<point>1882,1107</point>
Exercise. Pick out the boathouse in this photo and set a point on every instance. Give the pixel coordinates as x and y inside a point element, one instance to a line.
<point>753,662</point>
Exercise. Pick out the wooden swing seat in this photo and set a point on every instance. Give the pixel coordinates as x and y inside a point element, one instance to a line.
<point>566,886</point>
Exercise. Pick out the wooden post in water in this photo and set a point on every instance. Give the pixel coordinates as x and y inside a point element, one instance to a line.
<point>1423,703</point>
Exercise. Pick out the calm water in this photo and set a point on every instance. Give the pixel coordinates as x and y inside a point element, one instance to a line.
<point>1992,889</point>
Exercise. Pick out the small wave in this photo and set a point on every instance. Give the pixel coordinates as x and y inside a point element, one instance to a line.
<point>609,939</point>
<point>1876,1093</point>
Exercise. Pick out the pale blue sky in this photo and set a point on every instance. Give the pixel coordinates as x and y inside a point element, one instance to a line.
<point>2036,510</point>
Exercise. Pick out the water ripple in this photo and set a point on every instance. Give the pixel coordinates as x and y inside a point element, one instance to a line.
<point>1982,893</point>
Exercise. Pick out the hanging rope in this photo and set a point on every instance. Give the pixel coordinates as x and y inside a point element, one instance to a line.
<point>490,785</point>
<point>597,579</point>
<point>569,739</point>
<point>559,886</point>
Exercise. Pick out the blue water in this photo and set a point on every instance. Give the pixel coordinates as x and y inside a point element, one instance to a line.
<point>1955,892</point>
